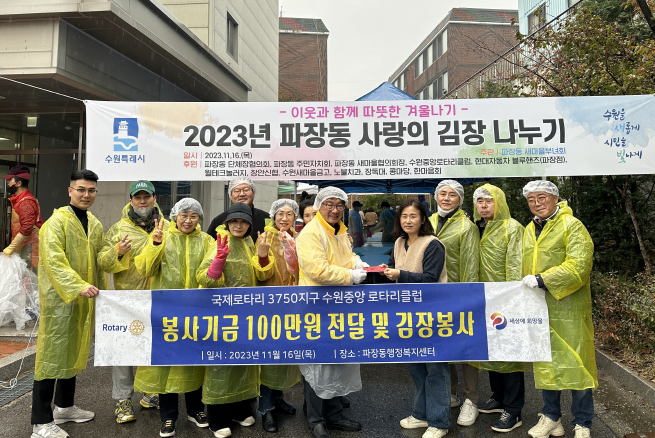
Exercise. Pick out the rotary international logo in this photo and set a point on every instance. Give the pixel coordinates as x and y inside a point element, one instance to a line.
<point>137,327</point>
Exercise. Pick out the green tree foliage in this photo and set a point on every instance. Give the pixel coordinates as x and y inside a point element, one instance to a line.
<point>374,201</point>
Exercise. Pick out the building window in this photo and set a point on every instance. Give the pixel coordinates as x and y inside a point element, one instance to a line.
<point>537,19</point>
<point>441,86</point>
<point>427,93</point>
<point>442,43</point>
<point>418,66</point>
<point>430,54</point>
<point>232,37</point>
<point>403,80</point>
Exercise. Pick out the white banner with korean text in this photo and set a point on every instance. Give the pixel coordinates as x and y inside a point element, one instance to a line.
<point>200,141</point>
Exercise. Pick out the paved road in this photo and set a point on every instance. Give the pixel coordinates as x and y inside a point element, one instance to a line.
<point>385,399</point>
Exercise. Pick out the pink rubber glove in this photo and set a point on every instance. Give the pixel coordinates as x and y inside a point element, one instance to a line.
<point>222,250</point>
<point>290,254</point>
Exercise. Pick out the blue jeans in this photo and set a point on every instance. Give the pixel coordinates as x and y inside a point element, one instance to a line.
<point>582,406</point>
<point>267,397</point>
<point>432,394</point>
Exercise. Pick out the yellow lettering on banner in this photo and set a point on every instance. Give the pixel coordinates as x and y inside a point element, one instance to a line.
<point>313,324</point>
<point>250,319</point>
<point>276,327</point>
<point>212,327</point>
<point>230,332</point>
<point>187,334</point>
<point>262,327</point>
<point>462,323</point>
<point>336,322</point>
<point>170,329</point>
<point>381,322</point>
<point>356,325</point>
<point>406,319</point>
<point>425,321</point>
<point>445,324</point>
<point>292,324</point>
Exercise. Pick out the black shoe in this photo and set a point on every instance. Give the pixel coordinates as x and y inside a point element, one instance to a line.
<point>268,422</point>
<point>199,418</point>
<point>507,422</point>
<point>345,403</point>
<point>285,407</point>
<point>167,428</point>
<point>320,431</point>
<point>491,406</point>
<point>345,424</point>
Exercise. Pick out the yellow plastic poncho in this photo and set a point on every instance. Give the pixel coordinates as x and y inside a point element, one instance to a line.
<point>563,256</point>
<point>172,265</point>
<point>67,266</point>
<point>227,383</point>
<point>279,376</point>
<point>462,240</point>
<point>500,259</point>
<point>124,271</point>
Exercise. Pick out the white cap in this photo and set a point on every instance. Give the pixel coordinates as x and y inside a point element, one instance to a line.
<point>241,180</point>
<point>280,203</point>
<point>453,185</point>
<point>186,204</point>
<point>540,185</point>
<point>481,192</point>
<point>327,193</point>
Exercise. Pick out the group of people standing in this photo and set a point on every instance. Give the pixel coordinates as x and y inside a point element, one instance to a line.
<point>246,246</point>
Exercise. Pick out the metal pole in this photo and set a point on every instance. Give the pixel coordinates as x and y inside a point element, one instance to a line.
<point>3,222</point>
<point>295,191</point>
<point>79,147</point>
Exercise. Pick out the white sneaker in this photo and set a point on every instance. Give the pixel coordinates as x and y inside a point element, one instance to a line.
<point>223,433</point>
<point>247,422</point>
<point>467,413</point>
<point>48,430</point>
<point>582,432</point>
<point>547,427</point>
<point>73,413</point>
<point>412,423</point>
<point>433,432</point>
<point>454,401</point>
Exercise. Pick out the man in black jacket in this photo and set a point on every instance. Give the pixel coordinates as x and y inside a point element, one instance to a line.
<point>242,189</point>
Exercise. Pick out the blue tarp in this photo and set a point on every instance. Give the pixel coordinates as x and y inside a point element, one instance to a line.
<point>387,91</point>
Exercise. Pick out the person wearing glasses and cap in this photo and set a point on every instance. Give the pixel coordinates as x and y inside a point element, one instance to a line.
<point>242,189</point>
<point>69,279</point>
<point>126,240</point>
<point>25,217</point>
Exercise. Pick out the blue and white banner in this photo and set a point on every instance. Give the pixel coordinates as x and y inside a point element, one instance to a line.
<point>323,324</point>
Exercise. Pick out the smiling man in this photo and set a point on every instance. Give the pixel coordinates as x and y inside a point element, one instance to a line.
<point>242,190</point>
<point>68,281</point>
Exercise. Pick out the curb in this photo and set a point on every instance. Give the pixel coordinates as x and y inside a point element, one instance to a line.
<point>10,365</point>
<point>628,378</point>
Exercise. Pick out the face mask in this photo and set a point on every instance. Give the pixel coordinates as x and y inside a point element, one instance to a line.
<point>12,189</point>
<point>443,212</point>
<point>143,212</point>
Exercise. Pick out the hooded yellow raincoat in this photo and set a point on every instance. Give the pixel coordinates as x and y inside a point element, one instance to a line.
<point>227,383</point>
<point>563,257</point>
<point>462,241</point>
<point>500,259</point>
<point>67,266</point>
<point>124,271</point>
<point>172,265</point>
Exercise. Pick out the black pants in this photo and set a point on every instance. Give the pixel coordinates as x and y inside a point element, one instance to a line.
<point>221,416</point>
<point>320,410</point>
<point>168,409</point>
<point>42,398</point>
<point>508,389</point>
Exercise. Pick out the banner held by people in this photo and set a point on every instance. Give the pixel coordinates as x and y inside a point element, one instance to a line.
<point>323,324</point>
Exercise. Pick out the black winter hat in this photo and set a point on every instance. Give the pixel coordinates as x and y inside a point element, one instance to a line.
<point>239,210</point>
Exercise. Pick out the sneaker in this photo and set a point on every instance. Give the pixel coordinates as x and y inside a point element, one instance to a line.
<point>546,427</point>
<point>507,422</point>
<point>467,413</point>
<point>247,422</point>
<point>491,406</point>
<point>167,428</point>
<point>222,433</point>
<point>48,430</point>
<point>582,432</point>
<point>412,423</point>
<point>433,432</point>
<point>124,412</point>
<point>199,418</point>
<point>149,401</point>
<point>454,401</point>
<point>73,413</point>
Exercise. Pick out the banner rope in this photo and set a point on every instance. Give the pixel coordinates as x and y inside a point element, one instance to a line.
<point>42,89</point>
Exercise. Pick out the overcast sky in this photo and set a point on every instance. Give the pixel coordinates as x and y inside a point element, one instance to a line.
<point>369,39</point>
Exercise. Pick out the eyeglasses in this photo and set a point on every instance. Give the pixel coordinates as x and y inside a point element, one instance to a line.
<point>185,217</point>
<point>91,192</point>
<point>338,207</point>
<point>245,191</point>
<point>540,199</point>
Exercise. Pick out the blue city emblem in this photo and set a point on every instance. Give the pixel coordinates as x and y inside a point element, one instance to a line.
<point>126,135</point>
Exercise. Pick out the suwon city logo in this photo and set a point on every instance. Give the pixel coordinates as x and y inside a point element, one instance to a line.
<point>499,321</point>
<point>126,135</point>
